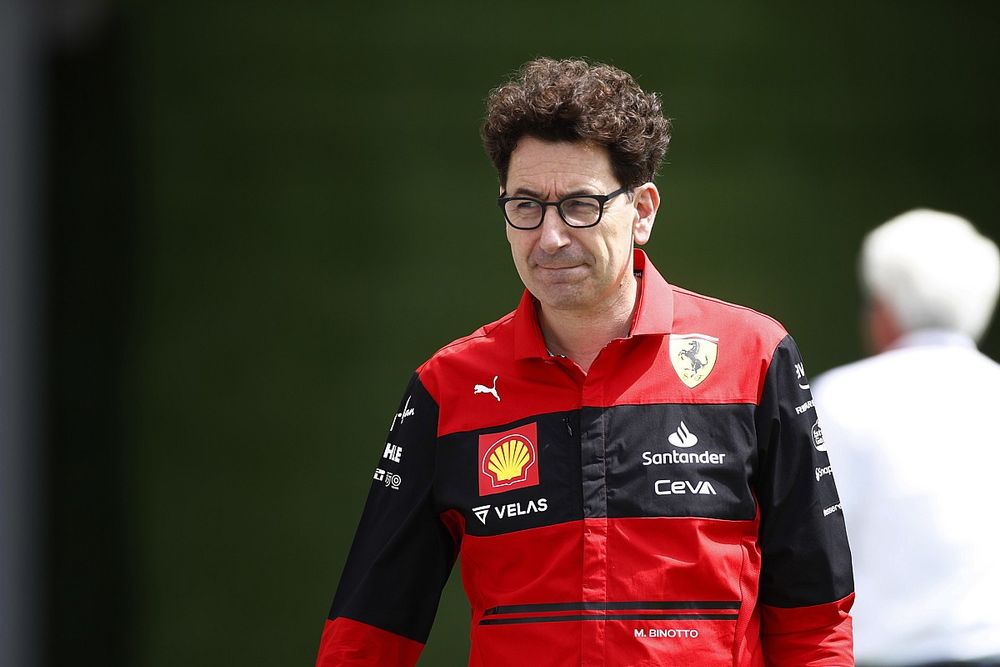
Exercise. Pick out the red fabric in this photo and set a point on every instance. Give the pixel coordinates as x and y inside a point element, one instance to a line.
<point>613,560</point>
<point>817,636</point>
<point>347,642</point>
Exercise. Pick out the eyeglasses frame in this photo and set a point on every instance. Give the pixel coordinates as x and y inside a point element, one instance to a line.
<point>601,199</point>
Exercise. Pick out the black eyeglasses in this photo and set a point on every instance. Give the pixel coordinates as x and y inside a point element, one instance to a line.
<point>575,210</point>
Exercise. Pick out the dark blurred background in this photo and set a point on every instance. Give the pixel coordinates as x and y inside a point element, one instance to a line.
<point>232,230</point>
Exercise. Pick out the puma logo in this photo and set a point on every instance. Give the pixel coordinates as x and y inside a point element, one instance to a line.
<point>483,389</point>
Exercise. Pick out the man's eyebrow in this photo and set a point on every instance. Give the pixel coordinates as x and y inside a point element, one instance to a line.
<point>528,192</point>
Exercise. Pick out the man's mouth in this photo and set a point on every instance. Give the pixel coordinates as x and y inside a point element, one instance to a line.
<point>556,267</point>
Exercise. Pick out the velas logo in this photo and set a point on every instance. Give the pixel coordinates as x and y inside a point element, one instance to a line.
<point>508,460</point>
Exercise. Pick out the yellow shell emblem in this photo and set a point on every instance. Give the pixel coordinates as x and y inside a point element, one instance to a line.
<point>508,460</point>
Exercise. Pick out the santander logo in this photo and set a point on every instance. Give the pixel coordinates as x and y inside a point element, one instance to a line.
<point>682,437</point>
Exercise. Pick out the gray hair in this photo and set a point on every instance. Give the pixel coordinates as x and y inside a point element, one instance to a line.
<point>932,270</point>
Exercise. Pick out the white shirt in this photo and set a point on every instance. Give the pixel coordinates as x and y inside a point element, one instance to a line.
<point>913,437</point>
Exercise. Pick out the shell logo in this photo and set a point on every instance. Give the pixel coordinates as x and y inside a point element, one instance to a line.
<point>508,460</point>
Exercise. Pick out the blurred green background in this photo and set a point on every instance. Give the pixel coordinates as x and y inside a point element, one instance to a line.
<point>263,216</point>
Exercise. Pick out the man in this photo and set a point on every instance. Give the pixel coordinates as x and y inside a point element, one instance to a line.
<point>627,469</point>
<point>917,454</point>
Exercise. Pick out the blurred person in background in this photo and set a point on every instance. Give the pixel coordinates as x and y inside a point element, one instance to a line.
<point>626,468</point>
<point>917,455</point>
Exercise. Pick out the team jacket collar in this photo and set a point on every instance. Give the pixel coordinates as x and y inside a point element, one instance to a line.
<point>654,313</point>
<point>938,337</point>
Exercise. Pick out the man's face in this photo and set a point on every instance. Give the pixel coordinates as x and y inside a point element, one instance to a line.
<point>569,269</point>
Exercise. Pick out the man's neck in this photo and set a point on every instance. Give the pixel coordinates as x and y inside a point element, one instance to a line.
<point>582,335</point>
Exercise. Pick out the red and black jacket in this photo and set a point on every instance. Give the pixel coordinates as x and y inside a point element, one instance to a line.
<point>674,505</point>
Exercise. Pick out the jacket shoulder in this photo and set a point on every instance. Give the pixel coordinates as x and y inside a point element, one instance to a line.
<point>739,324</point>
<point>486,335</point>
<point>486,344</point>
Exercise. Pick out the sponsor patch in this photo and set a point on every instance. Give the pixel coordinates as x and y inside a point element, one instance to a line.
<point>667,487</point>
<point>805,407</point>
<point>392,452</point>
<point>674,458</point>
<point>511,509</point>
<point>682,437</point>
<point>400,417</point>
<point>693,356</point>
<point>508,460</point>
<point>800,376</point>
<point>817,437</point>
<point>390,479</point>
<point>481,512</point>
<point>492,391</point>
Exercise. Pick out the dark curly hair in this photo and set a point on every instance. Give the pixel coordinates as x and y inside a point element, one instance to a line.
<point>573,100</point>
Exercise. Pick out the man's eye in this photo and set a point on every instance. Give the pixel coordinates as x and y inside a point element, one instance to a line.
<point>525,206</point>
<point>580,205</point>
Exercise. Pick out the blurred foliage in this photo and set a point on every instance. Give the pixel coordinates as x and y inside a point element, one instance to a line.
<point>317,217</point>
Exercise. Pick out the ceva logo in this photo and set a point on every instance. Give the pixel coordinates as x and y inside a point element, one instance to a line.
<point>508,460</point>
<point>667,487</point>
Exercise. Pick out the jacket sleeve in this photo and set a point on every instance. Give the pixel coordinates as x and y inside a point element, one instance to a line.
<point>402,552</point>
<point>806,583</point>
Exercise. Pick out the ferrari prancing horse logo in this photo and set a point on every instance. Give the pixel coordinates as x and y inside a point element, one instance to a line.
<point>693,356</point>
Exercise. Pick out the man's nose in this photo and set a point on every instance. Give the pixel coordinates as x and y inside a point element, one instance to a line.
<point>554,232</point>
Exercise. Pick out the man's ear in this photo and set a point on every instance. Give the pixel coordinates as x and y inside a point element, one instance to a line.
<point>647,201</point>
<point>878,326</point>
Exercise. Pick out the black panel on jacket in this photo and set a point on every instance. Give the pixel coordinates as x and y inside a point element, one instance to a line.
<point>636,473</point>
<point>556,497</point>
<point>681,460</point>
<point>400,531</point>
<point>806,558</point>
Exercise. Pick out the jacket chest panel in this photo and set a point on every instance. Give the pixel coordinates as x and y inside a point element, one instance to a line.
<point>622,461</point>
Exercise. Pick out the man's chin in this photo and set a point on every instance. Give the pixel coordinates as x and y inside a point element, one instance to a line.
<point>562,296</point>
<point>559,279</point>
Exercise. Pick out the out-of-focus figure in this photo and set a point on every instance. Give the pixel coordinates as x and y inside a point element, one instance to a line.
<point>913,435</point>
